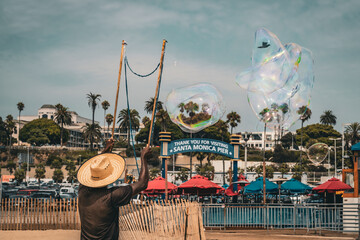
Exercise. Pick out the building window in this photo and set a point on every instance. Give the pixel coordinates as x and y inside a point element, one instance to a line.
<point>44,116</point>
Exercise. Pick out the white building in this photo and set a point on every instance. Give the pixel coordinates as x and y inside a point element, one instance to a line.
<point>75,129</point>
<point>257,139</point>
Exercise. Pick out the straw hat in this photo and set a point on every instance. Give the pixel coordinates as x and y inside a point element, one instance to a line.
<point>101,170</point>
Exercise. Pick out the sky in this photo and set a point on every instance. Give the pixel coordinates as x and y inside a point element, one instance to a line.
<point>58,51</point>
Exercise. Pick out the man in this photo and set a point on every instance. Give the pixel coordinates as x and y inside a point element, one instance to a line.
<point>98,205</point>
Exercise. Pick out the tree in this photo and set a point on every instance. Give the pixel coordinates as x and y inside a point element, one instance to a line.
<point>328,118</point>
<point>218,131</point>
<point>11,166</point>
<point>233,119</point>
<point>182,175</point>
<point>287,141</point>
<point>62,117</point>
<point>305,115</point>
<point>20,175</point>
<point>207,171</point>
<point>162,117</point>
<point>154,173</point>
<point>284,168</point>
<point>10,127</point>
<point>58,176</point>
<point>40,172</point>
<point>145,120</point>
<point>70,167</point>
<point>105,105</point>
<point>109,120</point>
<point>91,133</point>
<point>42,131</point>
<point>353,132</point>
<point>93,102</point>
<point>124,121</point>
<point>149,105</point>
<point>20,107</point>
<point>269,171</point>
<point>3,132</point>
<point>319,133</point>
<point>201,156</point>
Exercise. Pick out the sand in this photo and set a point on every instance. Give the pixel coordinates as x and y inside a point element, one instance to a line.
<point>210,235</point>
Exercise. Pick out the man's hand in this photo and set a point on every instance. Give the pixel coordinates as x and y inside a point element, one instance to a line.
<point>146,154</point>
<point>108,146</point>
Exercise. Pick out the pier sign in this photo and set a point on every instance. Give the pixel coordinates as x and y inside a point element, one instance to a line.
<point>201,145</point>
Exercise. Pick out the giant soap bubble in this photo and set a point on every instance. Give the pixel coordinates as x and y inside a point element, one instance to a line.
<point>318,152</point>
<point>195,107</point>
<point>280,80</point>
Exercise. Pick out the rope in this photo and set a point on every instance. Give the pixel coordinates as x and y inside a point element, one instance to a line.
<point>137,74</point>
<point>128,110</point>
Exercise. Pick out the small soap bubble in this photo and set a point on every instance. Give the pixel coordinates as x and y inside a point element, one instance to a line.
<point>195,107</point>
<point>318,152</point>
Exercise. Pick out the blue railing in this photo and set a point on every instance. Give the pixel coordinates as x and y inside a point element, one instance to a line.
<point>339,217</point>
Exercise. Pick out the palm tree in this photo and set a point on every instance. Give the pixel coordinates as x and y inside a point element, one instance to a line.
<point>162,117</point>
<point>20,107</point>
<point>353,132</point>
<point>62,117</point>
<point>10,127</point>
<point>109,120</point>
<point>105,105</point>
<point>305,115</point>
<point>93,102</point>
<point>233,119</point>
<point>124,121</point>
<point>328,118</point>
<point>149,105</point>
<point>191,108</point>
<point>91,132</point>
<point>145,120</point>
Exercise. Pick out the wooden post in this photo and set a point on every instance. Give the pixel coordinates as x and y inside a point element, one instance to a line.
<point>157,92</point>
<point>118,86</point>
<point>166,180</point>
<point>264,167</point>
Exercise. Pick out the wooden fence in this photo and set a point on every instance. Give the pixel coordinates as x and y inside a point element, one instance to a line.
<point>175,219</point>
<point>39,214</point>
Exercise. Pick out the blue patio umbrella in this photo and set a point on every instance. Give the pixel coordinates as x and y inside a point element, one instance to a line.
<point>355,147</point>
<point>294,186</point>
<point>257,186</point>
<point>225,186</point>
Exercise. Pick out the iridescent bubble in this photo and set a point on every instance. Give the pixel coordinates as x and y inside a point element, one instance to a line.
<point>195,107</point>
<point>280,80</point>
<point>318,152</point>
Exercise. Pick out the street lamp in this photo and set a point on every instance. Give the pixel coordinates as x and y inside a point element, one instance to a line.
<point>343,144</point>
<point>335,139</point>
<point>246,139</point>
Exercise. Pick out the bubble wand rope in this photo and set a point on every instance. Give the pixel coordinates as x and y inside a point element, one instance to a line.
<point>118,86</point>
<point>156,93</point>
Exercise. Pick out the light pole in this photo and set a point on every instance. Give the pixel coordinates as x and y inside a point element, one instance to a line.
<point>343,144</point>
<point>246,139</point>
<point>335,139</point>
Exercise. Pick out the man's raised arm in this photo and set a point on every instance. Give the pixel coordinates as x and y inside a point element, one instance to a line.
<point>142,183</point>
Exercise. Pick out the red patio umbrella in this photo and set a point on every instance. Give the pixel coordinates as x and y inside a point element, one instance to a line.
<point>333,185</point>
<point>157,186</point>
<point>200,185</point>
<point>230,190</point>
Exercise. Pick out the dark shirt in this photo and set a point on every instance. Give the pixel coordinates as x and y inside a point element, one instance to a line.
<point>99,211</point>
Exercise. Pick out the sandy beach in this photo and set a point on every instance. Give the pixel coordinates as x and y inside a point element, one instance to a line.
<point>210,235</point>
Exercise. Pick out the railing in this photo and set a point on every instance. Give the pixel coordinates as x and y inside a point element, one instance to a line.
<point>333,217</point>
<point>38,214</point>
